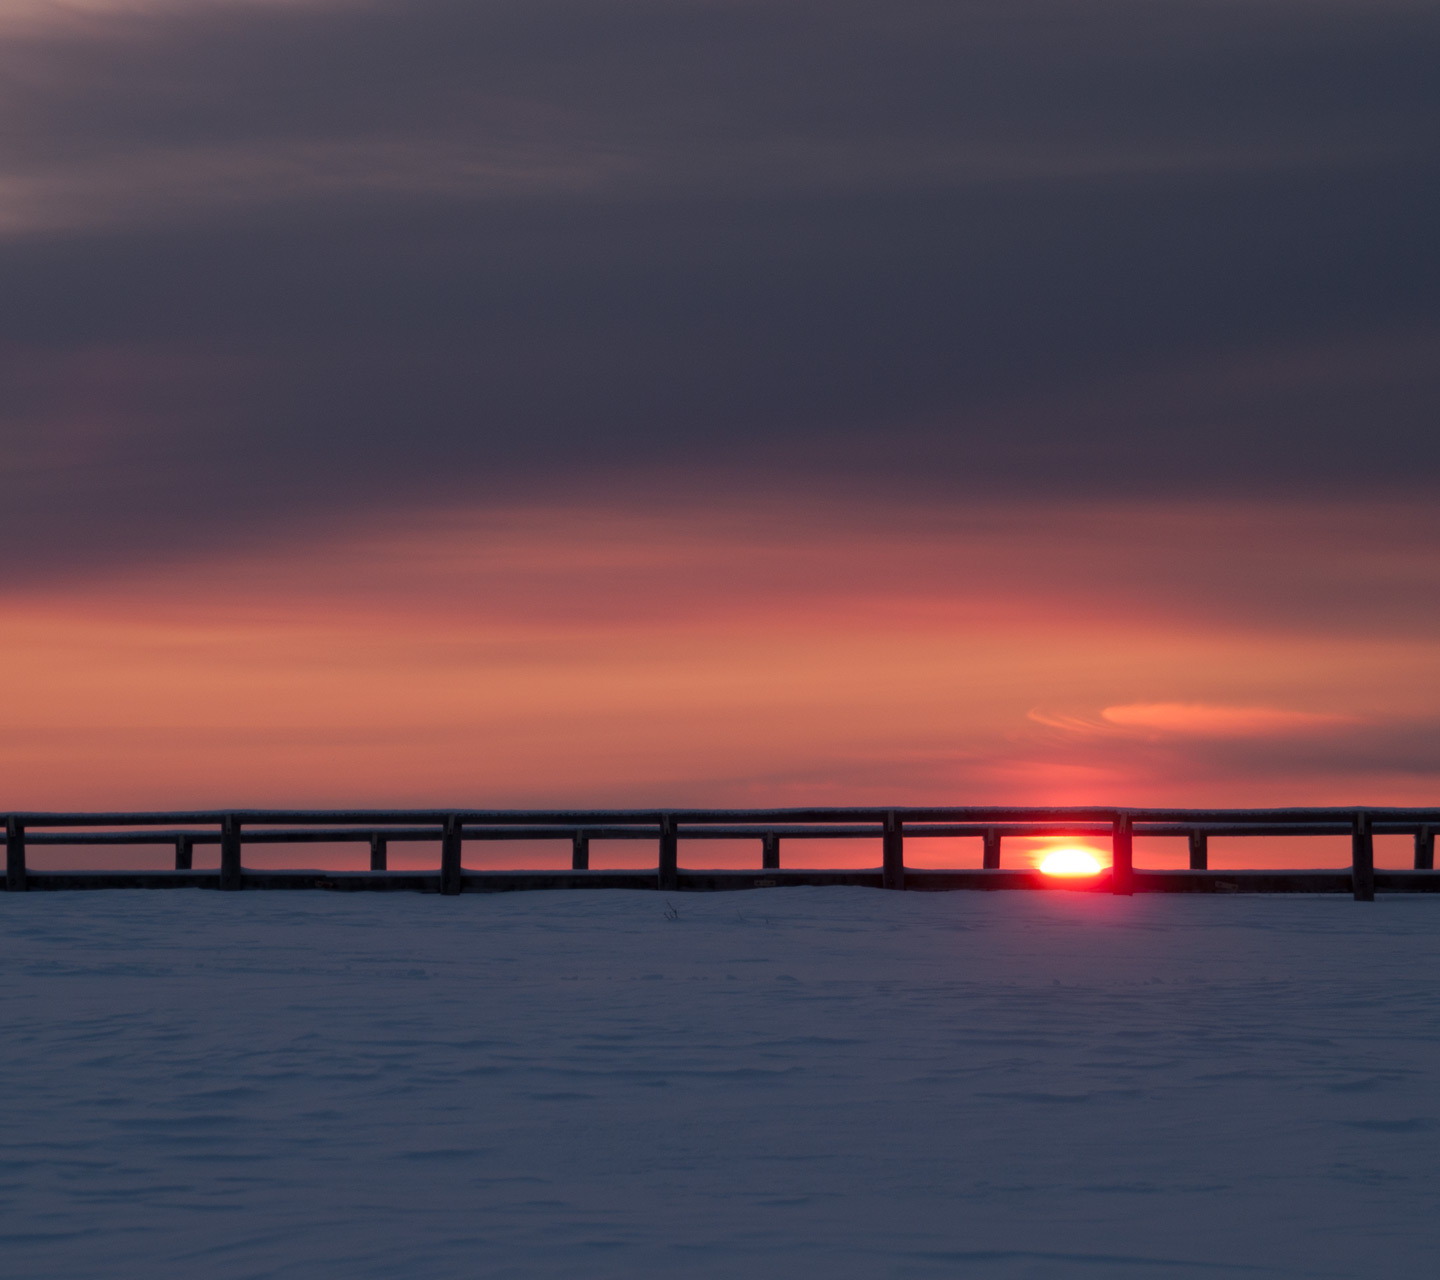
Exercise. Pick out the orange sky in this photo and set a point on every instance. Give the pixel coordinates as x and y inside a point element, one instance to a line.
<point>832,654</point>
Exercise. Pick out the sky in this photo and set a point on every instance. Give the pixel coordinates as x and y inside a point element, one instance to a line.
<point>567,402</point>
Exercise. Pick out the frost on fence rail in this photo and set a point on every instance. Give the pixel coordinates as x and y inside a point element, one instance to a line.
<point>378,829</point>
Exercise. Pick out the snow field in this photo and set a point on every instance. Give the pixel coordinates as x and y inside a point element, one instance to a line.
<point>829,1082</point>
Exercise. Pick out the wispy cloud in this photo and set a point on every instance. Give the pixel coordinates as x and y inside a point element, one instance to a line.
<point>1210,721</point>
<point>1191,719</point>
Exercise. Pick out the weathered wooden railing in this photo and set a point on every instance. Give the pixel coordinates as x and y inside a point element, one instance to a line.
<point>892,827</point>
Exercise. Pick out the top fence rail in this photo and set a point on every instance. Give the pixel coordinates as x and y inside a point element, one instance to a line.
<point>599,817</point>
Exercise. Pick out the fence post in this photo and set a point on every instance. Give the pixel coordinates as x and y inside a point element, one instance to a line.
<point>450,873</point>
<point>184,853</point>
<point>1199,851</point>
<point>230,852</point>
<point>579,852</point>
<point>379,852</point>
<point>1122,856</point>
<point>990,857</point>
<point>1425,849</point>
<point>669,873</point>
<point>892,847</point>
<point>770,851</point>
<point>1362,857</point>
<point>15,877</point>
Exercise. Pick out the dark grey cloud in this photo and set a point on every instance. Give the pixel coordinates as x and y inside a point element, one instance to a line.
<point>267,264</point>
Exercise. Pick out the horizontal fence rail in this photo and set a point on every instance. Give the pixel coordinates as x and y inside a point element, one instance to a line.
<point>233,829</point>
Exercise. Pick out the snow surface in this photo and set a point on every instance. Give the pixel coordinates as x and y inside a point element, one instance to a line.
<point>827,1082</point>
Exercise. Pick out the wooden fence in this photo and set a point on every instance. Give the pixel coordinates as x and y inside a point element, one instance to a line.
<point>768,827</point>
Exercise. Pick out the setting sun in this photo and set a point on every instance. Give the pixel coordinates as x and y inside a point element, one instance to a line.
<point>1070,862</point>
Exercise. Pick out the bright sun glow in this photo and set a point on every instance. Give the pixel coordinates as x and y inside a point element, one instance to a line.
<point>1070,862</point>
